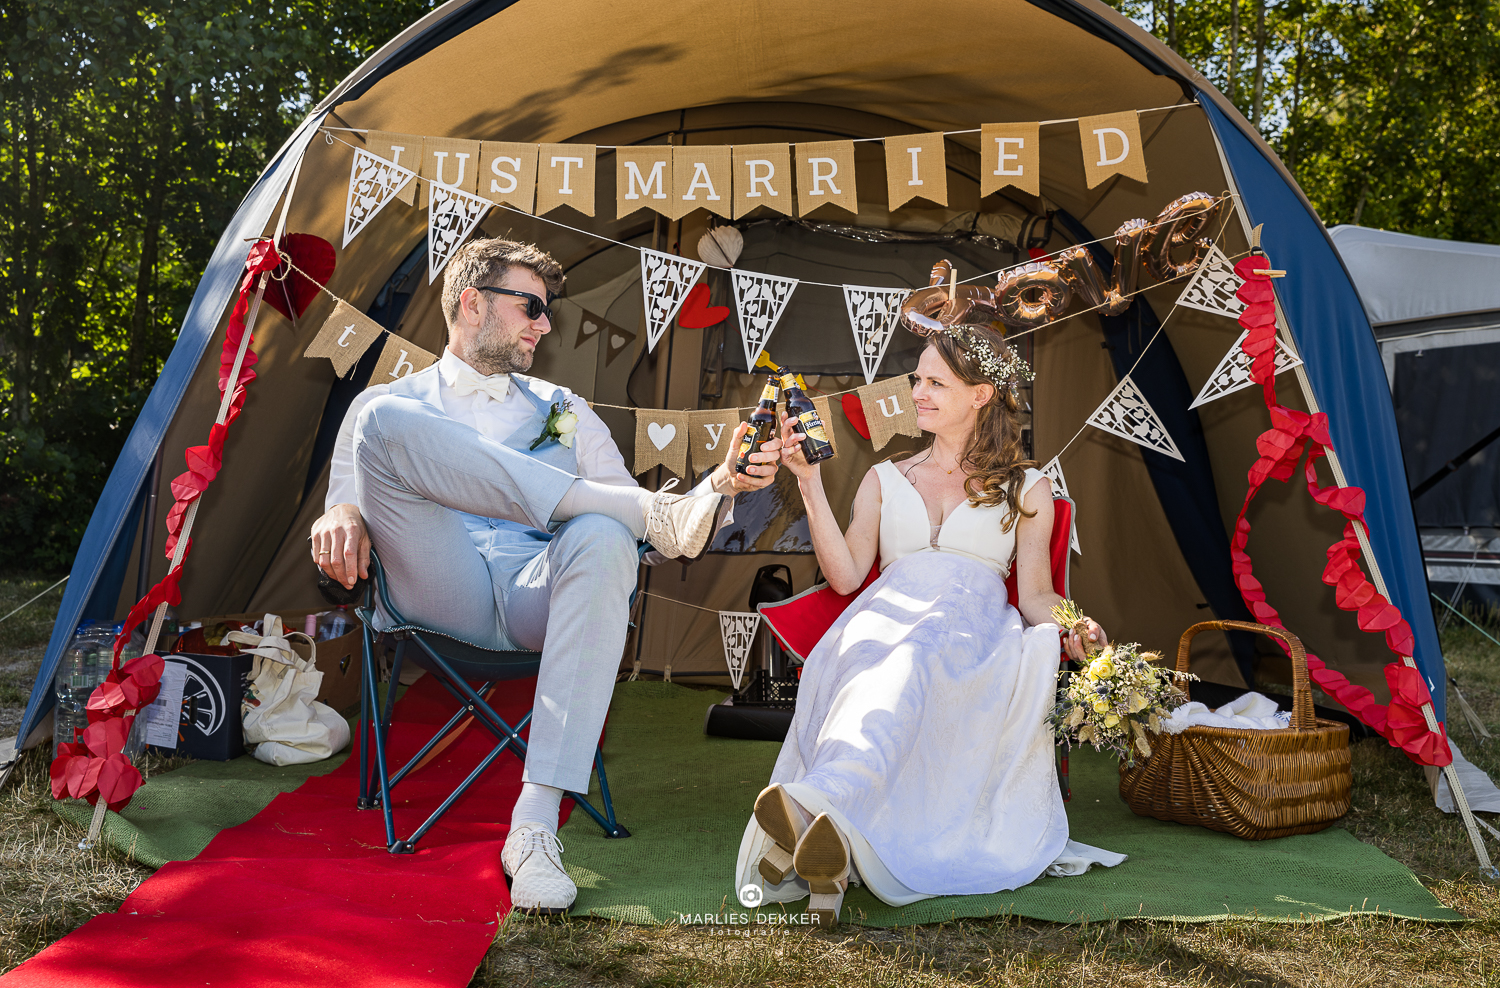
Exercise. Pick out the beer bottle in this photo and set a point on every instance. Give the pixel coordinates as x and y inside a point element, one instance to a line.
<point>815,443</point>
<point>762,424</point>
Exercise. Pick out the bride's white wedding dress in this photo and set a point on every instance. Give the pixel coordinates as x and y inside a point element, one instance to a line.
<point>919,724</point>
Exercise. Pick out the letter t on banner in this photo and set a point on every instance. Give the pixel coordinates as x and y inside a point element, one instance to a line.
<point>565,177</point>
<point>344,338</point>
<point>1112,146</point>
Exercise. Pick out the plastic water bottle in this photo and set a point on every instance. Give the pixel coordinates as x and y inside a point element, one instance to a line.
<point>83,667</point>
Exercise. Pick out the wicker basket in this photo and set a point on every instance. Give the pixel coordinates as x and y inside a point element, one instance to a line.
<point>1254,784</point>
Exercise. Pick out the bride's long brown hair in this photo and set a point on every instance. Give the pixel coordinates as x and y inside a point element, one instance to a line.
<point>993,459</point>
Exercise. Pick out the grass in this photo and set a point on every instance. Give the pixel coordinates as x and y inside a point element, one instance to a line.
<point>49,888</point>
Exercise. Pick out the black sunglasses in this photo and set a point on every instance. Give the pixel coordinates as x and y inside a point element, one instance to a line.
<point>535,307</point>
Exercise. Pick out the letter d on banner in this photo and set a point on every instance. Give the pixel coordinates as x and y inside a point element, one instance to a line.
<point>1112,146</point>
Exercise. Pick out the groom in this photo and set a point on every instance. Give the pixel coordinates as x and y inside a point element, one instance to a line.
<point>508,547</point>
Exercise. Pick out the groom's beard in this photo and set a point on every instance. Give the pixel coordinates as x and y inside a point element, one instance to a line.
<point>494,354</point>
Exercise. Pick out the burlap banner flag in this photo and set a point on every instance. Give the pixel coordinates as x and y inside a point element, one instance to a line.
<point>700,180</point>
<point>737,629</point>
<point>1127,414</point>
<point>825,176</point>
<point>1053,472</point>
<point>889,410</point>
<point>661,437</point>
<point>762,177</point>
<point>507,174</point>
<point>449,162</point>
<point>565,177</point>
<point>373,182</point>
<point>399,149</point>
<point>915,165</point>
<point>709,435</point>
<point>1008,155</point>
<point>1112,146</point>
<point>344,338</point>
<point>665,280</point>
<point>452,215</point>
<point>398,359</point>
<point>643,179</point>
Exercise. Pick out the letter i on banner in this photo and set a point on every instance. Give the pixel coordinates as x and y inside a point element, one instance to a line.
<point>825,176</point>
<point>1112,146</point>
<point>565,177</point>
<point>643,179</point>
<point>449,162</point>
<point>762,177</point>
<point>737,628</point>
<point>709,435</point>
<point>1008,155</point>
<point>507,174</point>
<point>889,410</point>
<point>344,338</point>
<point>398,359</point>
<point>915,165</point>
<point>399,149</point>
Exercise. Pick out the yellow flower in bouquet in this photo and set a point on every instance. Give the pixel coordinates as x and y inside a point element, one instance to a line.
<point>1102,668</point>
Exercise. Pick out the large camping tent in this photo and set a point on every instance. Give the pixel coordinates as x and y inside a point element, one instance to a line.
<point>1155,554</point>
<point>1435,309</point>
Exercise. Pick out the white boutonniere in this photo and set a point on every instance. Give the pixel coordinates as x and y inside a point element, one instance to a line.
<point>562,425</point>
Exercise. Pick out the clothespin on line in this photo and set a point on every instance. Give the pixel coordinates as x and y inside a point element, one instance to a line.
<point>952,283</point>
<point>1270,273</point>
<point>1255,248</point>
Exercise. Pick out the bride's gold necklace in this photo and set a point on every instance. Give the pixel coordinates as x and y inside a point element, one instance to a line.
<point>929,459</point>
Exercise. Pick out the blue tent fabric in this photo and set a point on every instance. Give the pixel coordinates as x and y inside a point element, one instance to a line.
<point>1342,360</point>
<point>94,586</point>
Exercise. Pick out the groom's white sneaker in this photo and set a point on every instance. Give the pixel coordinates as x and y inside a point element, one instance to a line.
<point>532,857</point>
<point>681,526</point>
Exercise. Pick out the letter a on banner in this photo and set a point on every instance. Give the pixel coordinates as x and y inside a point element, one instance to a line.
<point>1053,472</point>
<point>373,182</point>
<point>737,628</point>
<point>760,299</point>
<point>1126,414</point>
<point>665,280</point>
<point>451,216</point>
<point>873,314</point>
<point>1233,372</point>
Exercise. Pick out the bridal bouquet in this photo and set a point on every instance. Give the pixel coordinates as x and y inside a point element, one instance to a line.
<point>1118,696</point>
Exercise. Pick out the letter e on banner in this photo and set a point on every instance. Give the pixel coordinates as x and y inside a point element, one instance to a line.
<point>889,409</point>
<point>401,149</point>
<point>1008,155</point>
<point>915,165</point>
<point>825,176</point>
<point>507,174</point>
<point>398,359</point>
<point>1112,146</point>
<point>565,177</point>
<point>709,435</point>
<point>762,177</point>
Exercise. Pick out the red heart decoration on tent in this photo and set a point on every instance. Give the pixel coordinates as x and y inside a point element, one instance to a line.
<point>291,291</point>
<point>854,411</point>
<point>696,313</point>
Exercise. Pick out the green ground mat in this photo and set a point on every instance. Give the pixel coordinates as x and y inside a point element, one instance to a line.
<point>686,798</point>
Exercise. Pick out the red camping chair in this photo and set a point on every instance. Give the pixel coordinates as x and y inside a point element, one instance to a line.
<point>799,622</point>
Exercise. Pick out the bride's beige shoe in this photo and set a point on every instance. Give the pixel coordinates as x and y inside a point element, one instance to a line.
<point>779,817</point>
<point>822,860</point>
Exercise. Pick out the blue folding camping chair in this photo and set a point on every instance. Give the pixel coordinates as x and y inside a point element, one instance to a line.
<point>453,663</point>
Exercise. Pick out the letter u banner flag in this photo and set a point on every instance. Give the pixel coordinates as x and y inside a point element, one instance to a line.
<point>889,410</point>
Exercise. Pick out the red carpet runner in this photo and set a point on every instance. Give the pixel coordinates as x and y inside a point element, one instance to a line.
<point>305,894</point>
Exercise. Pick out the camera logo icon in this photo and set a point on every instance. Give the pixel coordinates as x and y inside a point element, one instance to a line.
<point>751,895</point>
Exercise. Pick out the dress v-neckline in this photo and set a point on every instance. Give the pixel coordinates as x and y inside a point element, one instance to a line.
<point>937,530</point>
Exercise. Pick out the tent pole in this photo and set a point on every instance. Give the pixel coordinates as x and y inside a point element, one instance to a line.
<point>1283,330</point>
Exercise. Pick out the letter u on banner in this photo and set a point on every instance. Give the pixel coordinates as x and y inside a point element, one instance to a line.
<point>889,410</point>
<point>1112,146</point>
<point>449,162</point>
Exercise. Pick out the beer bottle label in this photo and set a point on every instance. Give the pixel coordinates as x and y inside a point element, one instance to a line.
<point>812,424</point>
<point>769,395</point>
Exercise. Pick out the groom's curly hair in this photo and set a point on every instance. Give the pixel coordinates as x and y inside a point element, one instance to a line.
<point>484,262</point>
<point>994,459</point>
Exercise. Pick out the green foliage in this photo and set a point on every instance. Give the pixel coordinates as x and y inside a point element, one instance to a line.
<point>130,133</point>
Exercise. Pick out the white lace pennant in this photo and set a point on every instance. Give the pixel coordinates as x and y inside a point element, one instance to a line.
<point>1213,285</point>
<point>1233,372</point>
<point>873,315</point>
<point>737,628</point>
<point>1126,414</point>
<point>373,182</point>
<point>1053,472</point>
<point>665,280</point>
<point>760,299</point>
<point>452,215</point>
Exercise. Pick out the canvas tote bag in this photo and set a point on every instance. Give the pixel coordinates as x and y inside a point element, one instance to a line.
<point>282,718</point>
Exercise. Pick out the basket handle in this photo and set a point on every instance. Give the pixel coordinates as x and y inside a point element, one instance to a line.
<point>1302,705</point>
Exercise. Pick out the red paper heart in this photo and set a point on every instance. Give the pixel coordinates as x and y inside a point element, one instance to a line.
<point>854,411</point>
<point>696,313</point>
<point>312,255</point>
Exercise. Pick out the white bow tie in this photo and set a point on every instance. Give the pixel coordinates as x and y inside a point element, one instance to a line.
<point>468,381</point>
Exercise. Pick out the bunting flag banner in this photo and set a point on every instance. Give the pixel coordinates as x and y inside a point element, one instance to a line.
<point>1213,286</point>
<point>825,175</point>
<point>344,338</point>
<point>760,299</point>
<point>643,179</point>
<point>700,180</point>
<point>665,280</point>
<point>1053,472</point>
<point>737,628</point>
<point>661,437</point>
<point>402,150</point>
<point>709,435</point>
<point>451,216</point>
<point>1010,154</point>
<point>1233,372</point>
<point>373,182</point>
<point>762,177</point>
<point>451,163</point>
<point>1126,414</point>
<point>613,339</point>
<point>507,174</point>
<point>1112,146</point>
<point>873,315</point>
<point>398,359</point>
<point>915,165</point>
<point>616,342</point>
<point>565,177</point>
<point>889,410</point>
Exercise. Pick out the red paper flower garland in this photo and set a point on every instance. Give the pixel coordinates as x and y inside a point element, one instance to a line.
<point>1402,722</point>
<point>96,767</point>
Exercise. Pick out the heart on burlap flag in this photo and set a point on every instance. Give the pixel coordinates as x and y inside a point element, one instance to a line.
<point>661,437</point>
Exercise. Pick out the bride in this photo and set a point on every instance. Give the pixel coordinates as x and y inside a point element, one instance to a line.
<point>917,761</point>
